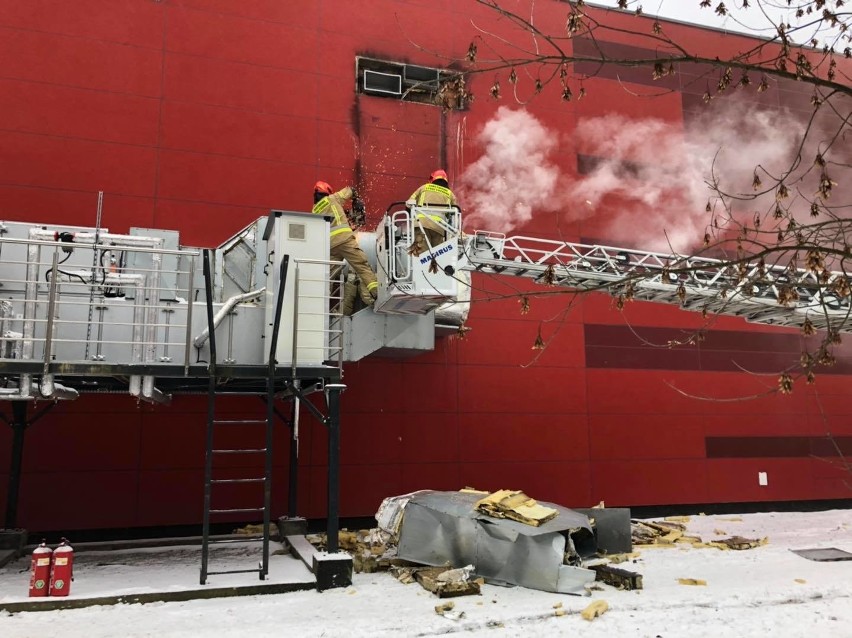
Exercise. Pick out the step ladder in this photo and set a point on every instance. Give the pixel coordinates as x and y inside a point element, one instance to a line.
<point>260,505</point>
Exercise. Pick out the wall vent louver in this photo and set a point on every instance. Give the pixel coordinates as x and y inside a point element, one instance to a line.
<point>382,83</point>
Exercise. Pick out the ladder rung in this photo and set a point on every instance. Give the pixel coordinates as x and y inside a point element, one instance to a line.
<point>247,539</point>
<point>239,421</point>
<point>238,511</point>
<point>255,451</point>
<point>238,480</point>
<point>237,571</point>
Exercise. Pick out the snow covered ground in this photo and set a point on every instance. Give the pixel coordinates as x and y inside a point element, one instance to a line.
<point>756,592</point>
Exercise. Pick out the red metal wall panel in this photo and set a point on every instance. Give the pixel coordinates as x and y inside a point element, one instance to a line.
<point>245,134</point>
<point>643,482</point>
<point>92,499</point>
<point>80,62</point>
<point>122,21</point>
<point>241,86</point>
<point>512,390</point>
<point>73,164</point>
<point>623,437</point>
<point>486,437</point>
<point>225,37</point>
<point>49,109</point>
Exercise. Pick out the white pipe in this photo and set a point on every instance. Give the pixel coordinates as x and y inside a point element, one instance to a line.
<point>26,386</point>
<point>201,339</point>
<point>135,386</point>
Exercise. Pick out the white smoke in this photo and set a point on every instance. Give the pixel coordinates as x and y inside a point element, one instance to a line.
<point>653,179</point>
<point>514,178</point>
<point>649,183</point>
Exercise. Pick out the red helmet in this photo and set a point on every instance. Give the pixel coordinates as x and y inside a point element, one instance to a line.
<point>323,187</point>
<point>439,174</point>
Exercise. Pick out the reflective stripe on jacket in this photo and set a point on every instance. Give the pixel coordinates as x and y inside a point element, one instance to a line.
<point>333,206</point>
<point>433,195</point>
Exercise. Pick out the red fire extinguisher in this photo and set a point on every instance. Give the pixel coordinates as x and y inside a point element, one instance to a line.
<point>40,570</point>
<point>62,570</point>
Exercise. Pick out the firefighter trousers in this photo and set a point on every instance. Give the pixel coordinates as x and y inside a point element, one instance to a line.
<point>349,251</point>
<point>420,246</point>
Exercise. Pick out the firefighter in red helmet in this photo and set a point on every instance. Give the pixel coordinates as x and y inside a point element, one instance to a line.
<point>344,246</point>
<point>435,193</point>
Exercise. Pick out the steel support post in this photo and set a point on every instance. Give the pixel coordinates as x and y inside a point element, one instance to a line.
<point>293,482</point>
<point>332,393</point>
<point>19,426</point>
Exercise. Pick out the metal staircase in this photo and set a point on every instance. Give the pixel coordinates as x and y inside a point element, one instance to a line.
<point>757,292</point>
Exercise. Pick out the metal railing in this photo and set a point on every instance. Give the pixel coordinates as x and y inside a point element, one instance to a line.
<point>402,225</point>
<point>317,318</point>
<point>65,309</point>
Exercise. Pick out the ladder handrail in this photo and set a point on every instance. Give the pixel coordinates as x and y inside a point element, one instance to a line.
<point>211,395</point>
<point>270,409</point>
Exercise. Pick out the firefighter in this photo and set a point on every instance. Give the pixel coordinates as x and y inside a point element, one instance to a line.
<point>436,193</point>
<point>344,246</point>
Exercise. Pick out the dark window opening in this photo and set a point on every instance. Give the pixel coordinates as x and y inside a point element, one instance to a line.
<point>587,164</point>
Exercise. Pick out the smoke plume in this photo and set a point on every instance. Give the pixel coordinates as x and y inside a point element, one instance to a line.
<point>514,178</point>
<point>641,183</point>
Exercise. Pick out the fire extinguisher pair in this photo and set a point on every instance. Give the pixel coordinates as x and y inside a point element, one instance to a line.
<point>52,571</point>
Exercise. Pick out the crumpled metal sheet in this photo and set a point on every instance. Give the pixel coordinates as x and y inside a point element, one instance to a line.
<point>441,528</point>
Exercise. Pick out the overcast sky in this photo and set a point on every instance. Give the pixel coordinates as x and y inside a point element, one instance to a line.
<point>690,11</point>
<point>751,21</point>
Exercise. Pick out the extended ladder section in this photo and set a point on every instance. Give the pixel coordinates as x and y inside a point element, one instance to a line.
<point>760,294</point>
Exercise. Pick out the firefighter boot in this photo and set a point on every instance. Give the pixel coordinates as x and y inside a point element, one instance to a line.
<point>368,296</point>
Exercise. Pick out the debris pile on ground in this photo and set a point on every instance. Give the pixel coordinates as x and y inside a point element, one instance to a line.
<point>739,543</point>
<point>672,530</point>
<point>372,550</point>
<point>444,582</point>
<point>618,578</point>
<point>516,506</point>
<point>252,529</point>
<point>660,533</point>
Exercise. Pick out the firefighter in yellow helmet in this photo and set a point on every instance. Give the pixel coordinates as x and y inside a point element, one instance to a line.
<point>435,193</point>
<point>344,246</point>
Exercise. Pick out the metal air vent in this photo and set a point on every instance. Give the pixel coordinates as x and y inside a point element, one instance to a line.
<point>382,83</point>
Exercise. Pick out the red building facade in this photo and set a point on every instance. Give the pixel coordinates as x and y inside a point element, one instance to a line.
<point>201,115</point>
